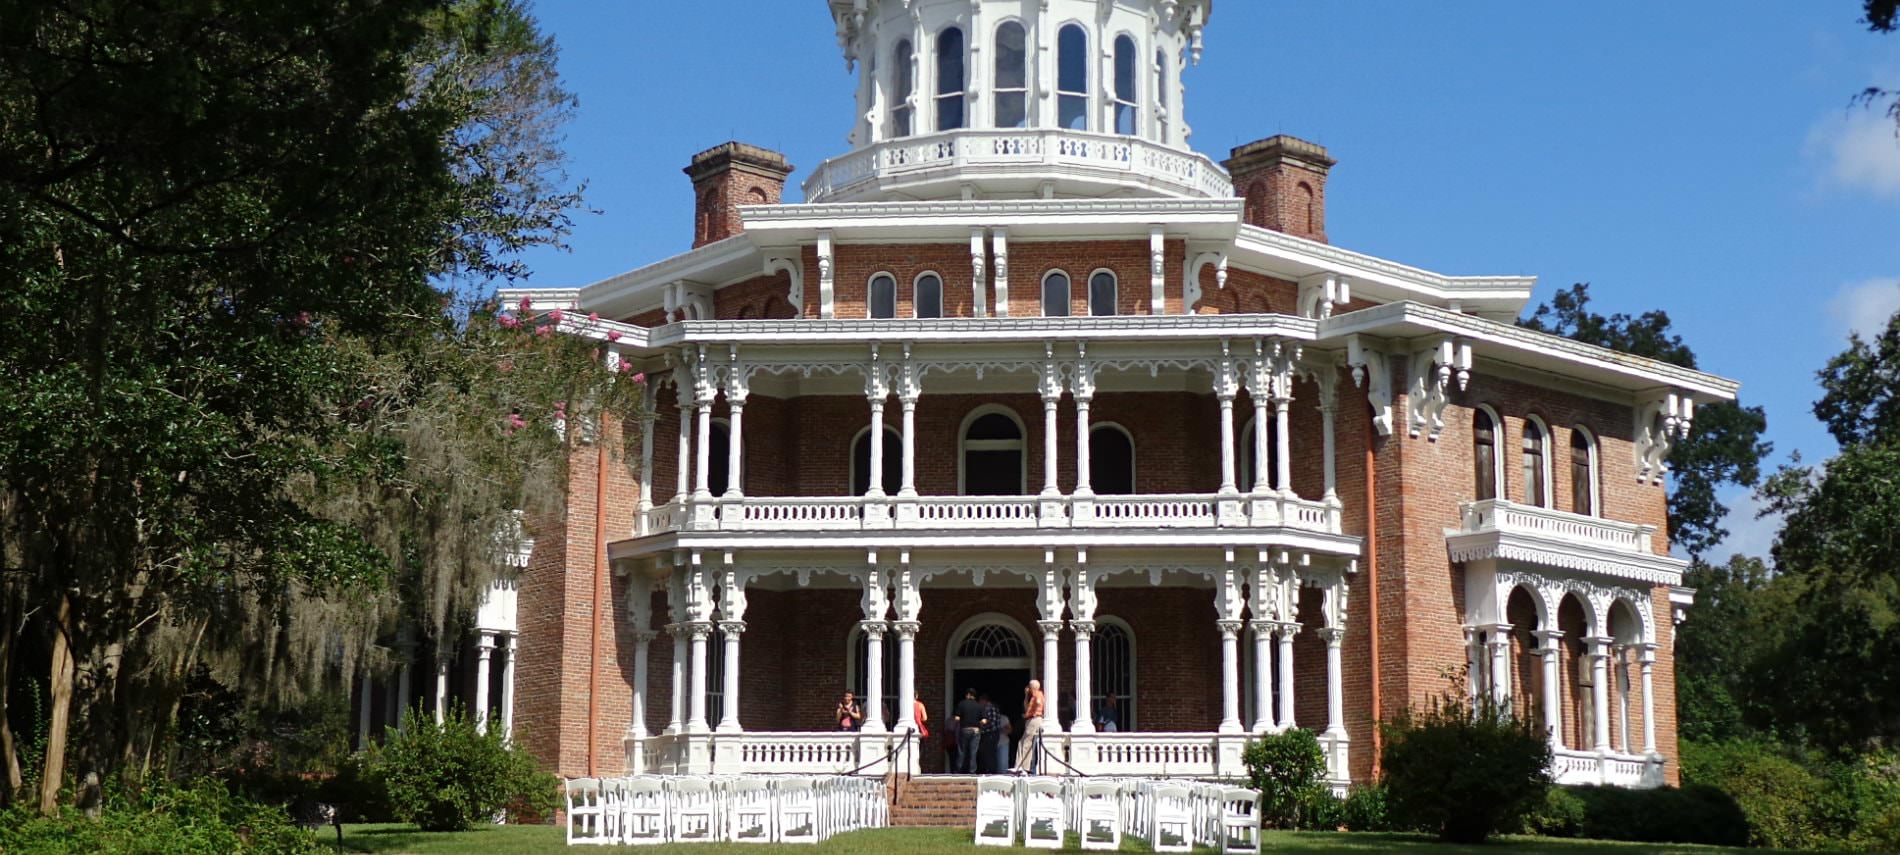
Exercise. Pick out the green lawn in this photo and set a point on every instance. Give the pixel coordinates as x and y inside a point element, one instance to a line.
<point>546,840</point>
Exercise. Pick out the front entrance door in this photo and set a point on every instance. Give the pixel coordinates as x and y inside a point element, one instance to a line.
<point>1004,686</point>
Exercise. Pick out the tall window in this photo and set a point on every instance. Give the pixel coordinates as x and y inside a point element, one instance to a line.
<point>1127,98</point>
<point>883,299</point>
<point>1111,461</point>
<point>993,456</point>
<point>1012,76</point>
<point>1583,488</point>
<point>927,296</point>
<point>950,79</point>
<point>1536,491</point>
<point>715,679</point>
<point>1102,293</point>
<point>1055,295</point>
<point>1161,94</point>
<point>904,70</point>
<point>861,463</point>
<point>1484,454</point>
<point>1112,675</point>
<point>1072,78</point>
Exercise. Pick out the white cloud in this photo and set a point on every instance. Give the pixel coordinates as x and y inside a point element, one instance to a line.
<point>1864,306</point>
<point>1861,151</point>
<point>1748,533</point>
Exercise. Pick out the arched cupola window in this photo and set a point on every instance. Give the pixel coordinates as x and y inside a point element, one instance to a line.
<point>1484,453</point>
<point>1583,472</point>
<point>1012,76</point>
<point>1102,293</point>
<point>1127,96</point>
<point>903,86</point>
<point>1055,295</point>
<point>1072,78</point>
<point>1536,464</point>
<point>950,79</point>
<point>927,296</point>
<point>883,297</point>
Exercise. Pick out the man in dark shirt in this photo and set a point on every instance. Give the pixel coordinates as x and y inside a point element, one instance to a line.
<point>969,722</point>
<point>990,759</point>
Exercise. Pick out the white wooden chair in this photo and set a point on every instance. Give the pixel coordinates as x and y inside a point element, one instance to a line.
<point>1044,815</point>
<point>749,811</point>
<point>642,811</point>
<point>1240,821</point>
<point>583,803</point>
<point>1207,802</point>
<point>1101,817</point>
<point>796,811</point>
<point>995,811</point>
<point>1171,819</point>
<point>694,811</point>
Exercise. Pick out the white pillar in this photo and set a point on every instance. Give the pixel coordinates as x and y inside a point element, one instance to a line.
<point>1553,698</point>
<point>906,673</point>
<point>729,721</point>
<point>642,642</point>
<point>1229,676</point>
<point>366,690</point>
<point>676,716</point>
<point>1051,676</point>
<point>441,688</point>
<point>1600,663</point>
<point>702,489</point>
<point>1619,683</point>
<point>1226,397</point>
<point>735,446</point>
<point>872,633</point>
<point>696,692</point>
<point>909,488</point>
<point>484,652</point>
<point>1261,436</point>
<point>646,471</point>
<point>1282,440</point>
<point>1084,677</point>
<point>508,688</point>
<point>1262,676</point>
<point>402,692</point>
<point>875,488</point>
<point>1498,643</point>
<point>1287,631</point>
<point>1335,682</point>
<point>1051,395</point>
<point>683,472</point>
<point>1648,662</point>
<point>1082,486</point>
<point>1327,443</point>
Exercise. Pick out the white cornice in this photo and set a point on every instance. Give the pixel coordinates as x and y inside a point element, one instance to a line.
<point>638,290</point>
<point>1521,548</point>
<point>1342,546</point>
<point>859,331</point>
<point>1026,219</point>
<point>1293,257</point>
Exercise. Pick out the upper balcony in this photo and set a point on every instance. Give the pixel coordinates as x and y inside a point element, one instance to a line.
<point>1023,163</point>
<point>1501,529</point>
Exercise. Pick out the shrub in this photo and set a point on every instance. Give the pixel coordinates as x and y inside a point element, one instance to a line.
<point>1462,772</point>
<point>447,777</point>
<point>1561,814</point>
<point>1288,769</point>
<point>200,817</point>
<point>1692,814</point>
<point>1364,809</point>
<point>1787,804</point>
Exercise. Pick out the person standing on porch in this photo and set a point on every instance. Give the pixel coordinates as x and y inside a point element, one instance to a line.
<point>921,716</point>
<point>1026,755</point>
<point>969,722</point>
<point>850,716</point>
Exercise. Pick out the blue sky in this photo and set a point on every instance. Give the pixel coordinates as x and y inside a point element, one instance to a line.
<point>1697,157</point>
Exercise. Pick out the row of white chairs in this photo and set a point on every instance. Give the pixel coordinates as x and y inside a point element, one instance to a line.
<point>650,809</point>
<point>1171,816</point>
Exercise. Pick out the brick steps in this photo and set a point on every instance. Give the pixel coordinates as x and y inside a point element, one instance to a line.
<point>935,803</point>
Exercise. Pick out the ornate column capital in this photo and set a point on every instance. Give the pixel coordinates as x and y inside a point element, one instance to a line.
<point>1263,628</point>
<point>1082,629</point>
<point>732,627</point>
<point>699,630</point>
<point>1332,635</point>
<point>906,628</point>
<point>873,629</point>
<point>644,636</point>
<point>1050,627</point>
<point>1287,630</point>
<point>1228,628</point>
<point>485,644</point>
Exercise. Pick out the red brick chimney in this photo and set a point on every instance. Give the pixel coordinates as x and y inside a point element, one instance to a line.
<point>1283,179</point>
<point>728,176</point>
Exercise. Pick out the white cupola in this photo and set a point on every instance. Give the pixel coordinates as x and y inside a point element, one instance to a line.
<point>1018,99</point>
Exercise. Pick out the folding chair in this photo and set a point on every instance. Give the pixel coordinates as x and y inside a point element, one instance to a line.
<point>583,811</point>
<point>694,809</point>
<point>1044,816</point>
<point>1101,822</point>
<point>995,811</point>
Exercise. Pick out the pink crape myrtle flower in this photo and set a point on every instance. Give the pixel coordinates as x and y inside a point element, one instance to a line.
<point>613,335</point>
<point>593,317</point>
<point>640,378</point>
<point>525,305</point>
<point>508,322</point>
<point>556,315</point>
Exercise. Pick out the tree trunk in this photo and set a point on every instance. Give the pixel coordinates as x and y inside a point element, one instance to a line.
<point>53,773</point>
<point>9,630</point>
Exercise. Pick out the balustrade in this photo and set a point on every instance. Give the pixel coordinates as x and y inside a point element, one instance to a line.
<point>1506,516</point>
<point>1112,157</point>
<point>849,513</point>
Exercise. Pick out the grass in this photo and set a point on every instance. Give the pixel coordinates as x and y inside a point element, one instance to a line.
<point>548,840</point>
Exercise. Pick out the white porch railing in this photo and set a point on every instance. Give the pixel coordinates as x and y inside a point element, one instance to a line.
<point>1509,517</point>
<point>860,513</point>
<point>1061,153</point>
<point>771,753</point>
<point>1569,766</point>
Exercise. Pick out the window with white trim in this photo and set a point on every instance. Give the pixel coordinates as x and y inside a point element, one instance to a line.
<point>1536,464</point>
<point>1112,675</point>
<point>950,79</point>
<point>882,301</point>
<point>927,296</point>
<point>1072,78</point>
<point>1102,294</point>
<point>1012,76</point>
<point>1484,454</point>
<point>1055,294</point>
<point>1126,96</point>
<point>1111,460</point>
<point>992,453</point>
<point>903,86</point>
<point>1583,472</point>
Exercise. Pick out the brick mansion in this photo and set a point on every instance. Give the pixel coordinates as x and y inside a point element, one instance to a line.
<point>1027,387</point>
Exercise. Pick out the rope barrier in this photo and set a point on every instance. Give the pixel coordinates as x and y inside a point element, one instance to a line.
<point>902,744</point>
<point>1040,749</point>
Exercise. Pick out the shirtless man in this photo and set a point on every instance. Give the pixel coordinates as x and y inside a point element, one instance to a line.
<point>1032,728</point>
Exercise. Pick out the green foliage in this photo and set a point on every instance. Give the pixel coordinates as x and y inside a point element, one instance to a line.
<point>447,777</point>
<point>1288,769</point>
<point>1725,446</point>
<point>1691,814</point>
<point>196,818</point>
<point>1463,772</point>
<point>1364,808</point>
<point>1787,801</point>
<point>1561,814</point>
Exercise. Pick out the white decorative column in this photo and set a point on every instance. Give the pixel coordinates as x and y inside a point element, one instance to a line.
<point>1262,675</point>
<point>1619,684</point>
<point>646,468</point>
<point>1229,676</point>
<point>1083,391</point>
<point>979,295</point>
<point>729,721</point>
<point>1051,675</point>
<point>1050,387</point>
<point>1261,437</point>
<point>1287,631</point>
<point>702,464</point>
<point>676,716</point>
<point>642,649</point>
<point>1647,661</point>
<point>1600,665</point>
<point>1549,649</point>
<point>697,632</point>
<point>508,688</point>
<point>441,687</point>
<point>909,389</point>
<point>872,632</point>
<point>683,473</point>
<point>906,673</point>
<point>999,247</point>
<point>1335,681</point>
<point>1498,643</point>
<point>1328,405</point>
<point>1282,440</point>
<point>484,654</point>
<point>1084,677</point>
<point>738,388</point>
<point>363,710</point>
<point>1226,386</point>
<point>875,391</point>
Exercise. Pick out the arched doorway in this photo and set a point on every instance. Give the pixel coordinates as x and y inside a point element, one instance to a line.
<point>990,653</point>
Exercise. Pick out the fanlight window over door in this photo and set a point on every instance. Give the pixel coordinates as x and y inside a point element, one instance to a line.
<point>993,641</point>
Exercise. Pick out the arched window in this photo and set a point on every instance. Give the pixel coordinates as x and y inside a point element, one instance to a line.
<point>883,297</point>
<point>1583,472</point>
<point>861,463</point>
<point>1308,205</point>
<point>1257,203</point>
<point>950,79</point>
<point>1484,453</point>
<point>904,70</point>
<point>859,681</point>
<point>1127,97</point>
<point>993,455</point>
<point>1536,473</point>
<point>717,478</point>
<point>1012,76</point>
<point>1072,78</point>
<point>1112,674</point>
<point>1102,293</point>
<point>1055,295</point>
<point>1161,95</point>
<point>1111,460</point>
<point>715,679</point>
<point>927,296</point>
